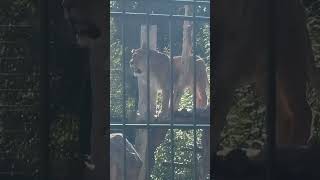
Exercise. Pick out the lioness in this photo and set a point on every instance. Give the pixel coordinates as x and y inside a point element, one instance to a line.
<point>160,79</point>
<point>160,76</point>
<point>201,83</point>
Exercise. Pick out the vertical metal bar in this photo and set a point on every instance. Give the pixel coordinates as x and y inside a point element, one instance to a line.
<point>171,94</point>
<point>213,84</point>
<point>124,104</point>
<point>44,89</point>
<point>194,92</point>
<point>271,96</point>
<point>148,92</point>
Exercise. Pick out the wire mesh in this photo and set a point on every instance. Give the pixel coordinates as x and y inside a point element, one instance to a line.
<point>19,103</point>
<point>148,13</point>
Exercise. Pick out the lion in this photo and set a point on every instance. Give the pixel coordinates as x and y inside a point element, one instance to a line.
<point>159,73</point>
<point>160,79</point>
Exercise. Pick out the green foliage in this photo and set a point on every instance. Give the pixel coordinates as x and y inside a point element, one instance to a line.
<point>313,23</point>
<point>183,155</point>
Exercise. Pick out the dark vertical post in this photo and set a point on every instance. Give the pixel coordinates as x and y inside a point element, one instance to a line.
<point>44,87</point>
<point>171,94</point>
<point>194,91</point>
<point>271,96</point>
<point>148,92</point>
<point>124,105</point>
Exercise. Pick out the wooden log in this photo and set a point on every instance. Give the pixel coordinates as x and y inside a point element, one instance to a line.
<point>152,36</point>
<point>182,117</point>
<point>187,42</point>
<point>133,160</point>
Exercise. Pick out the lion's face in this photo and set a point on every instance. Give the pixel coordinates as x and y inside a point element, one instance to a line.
<point>138,63</point>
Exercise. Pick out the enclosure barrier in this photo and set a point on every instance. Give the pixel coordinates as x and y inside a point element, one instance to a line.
<point>191,120</point>
<point>172,124</point>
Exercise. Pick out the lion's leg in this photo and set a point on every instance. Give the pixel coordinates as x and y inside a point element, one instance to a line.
<point>294,111</point>
<point>201,96</point>
<point>153,102</point>
<point>142,103</point>
<point>177,94</point>
<point>201,102</point>
<point>165,102</point>
<point>141,141</point>
<point>284,115</point>
<point>300,122</point>
<point>283,111</point>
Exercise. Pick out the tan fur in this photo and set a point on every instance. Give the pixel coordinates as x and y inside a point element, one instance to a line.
<point>182,83</point>
<point>160,79</point>
<point>159,75</point>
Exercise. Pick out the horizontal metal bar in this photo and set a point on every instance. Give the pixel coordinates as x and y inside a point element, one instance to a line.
<point>12,74</point>
<point>6,153</point>
<point>175,2</point>
<point>18,74</point>
<point>18,90</point>
<point>184,2</point>
<point>15,26</point>
<point>12,173</point>
<point>18,110</point>
<point>8,42</point>
<point>180,126</point>
<point>17,132</point>
<point>14,106</point>
<point>160,16</point>
<point>12,58</point>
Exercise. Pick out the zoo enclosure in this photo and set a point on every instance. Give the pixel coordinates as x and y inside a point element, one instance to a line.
<point>123,123</point>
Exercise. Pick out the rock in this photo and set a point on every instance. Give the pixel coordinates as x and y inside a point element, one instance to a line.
<point>133,160</point>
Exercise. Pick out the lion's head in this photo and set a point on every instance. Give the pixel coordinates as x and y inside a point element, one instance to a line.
<point>138,63</point>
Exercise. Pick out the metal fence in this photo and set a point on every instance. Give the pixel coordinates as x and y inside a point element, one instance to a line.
<point>32,80</point>
<point>124,122</point>
<point>24,94</point>
<point>19,103</point>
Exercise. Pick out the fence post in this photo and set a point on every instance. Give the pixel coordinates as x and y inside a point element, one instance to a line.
<point>141,140</point>
<point>44,89</point>
<point>271,94</point>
